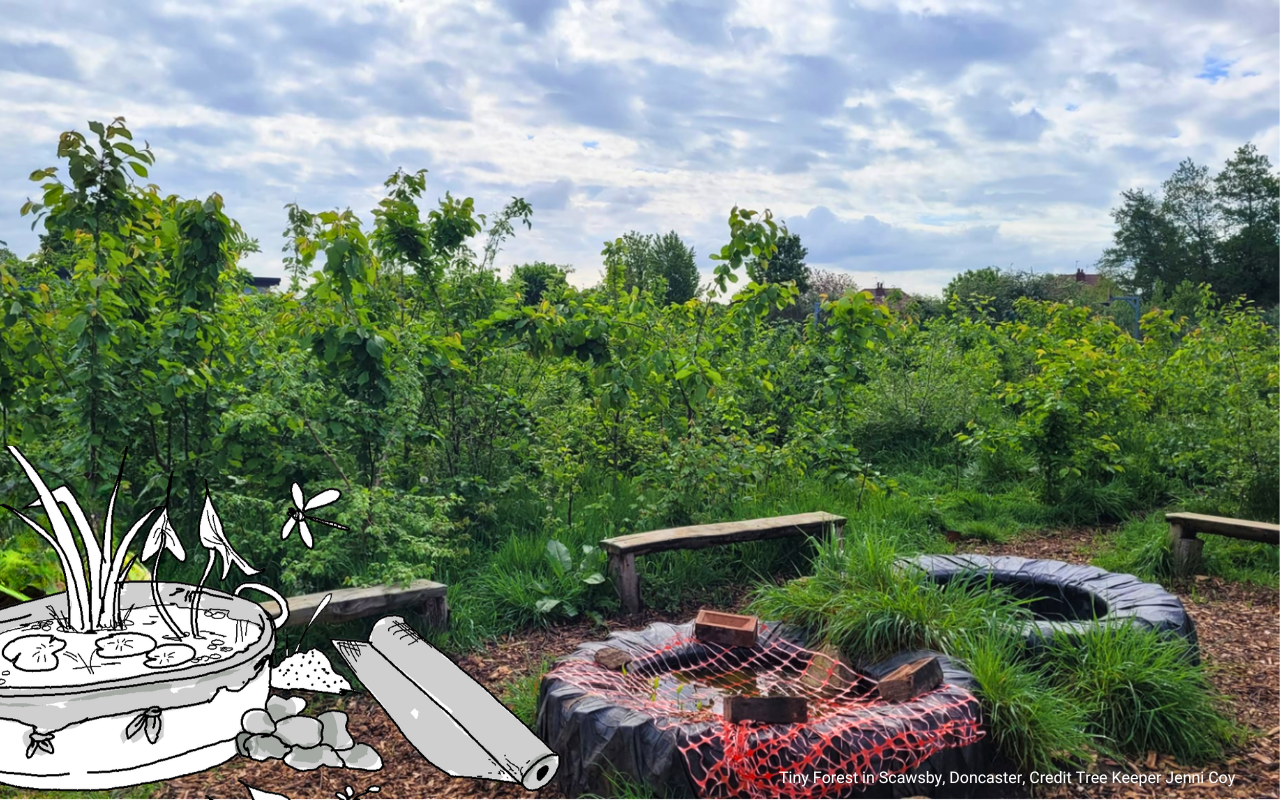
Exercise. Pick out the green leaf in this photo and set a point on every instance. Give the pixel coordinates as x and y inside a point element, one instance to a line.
<point>138,168</point>
<point>593,579</point>
<point>546,605</point>
<point>559,555</point>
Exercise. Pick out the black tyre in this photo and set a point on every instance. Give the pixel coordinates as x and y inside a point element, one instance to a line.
<point>1068,599</point>
<point>597,740</point>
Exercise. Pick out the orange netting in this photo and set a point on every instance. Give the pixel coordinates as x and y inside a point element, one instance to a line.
<point>850,731</point>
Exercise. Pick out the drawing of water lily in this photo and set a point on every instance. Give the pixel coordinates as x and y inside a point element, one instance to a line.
<point>215,541</point>
<point>163,537</point>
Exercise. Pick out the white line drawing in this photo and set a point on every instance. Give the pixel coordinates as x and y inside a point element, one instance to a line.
<point>310,670</point>
<point>102,685</point>
<point>299,517</point>
<point>451,719</point>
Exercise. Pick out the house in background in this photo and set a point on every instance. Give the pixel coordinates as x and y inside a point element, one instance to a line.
<point>1087,278</point>
<point>893,297</point>
<point>261,285</point>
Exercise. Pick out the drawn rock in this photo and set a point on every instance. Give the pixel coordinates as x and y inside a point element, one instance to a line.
<point>36,652</point>
<point>279,708</point>
<point>310,671</point>
<point>123,645</point>
<point>362,756</point>
<point>299,731</point>
<point>334,730</point>
<point>331,757</point>
<point>242,739</point>
<point>306,758</point>
<point>263,747</point>
<point>255,720</point>
<point>169,655</point>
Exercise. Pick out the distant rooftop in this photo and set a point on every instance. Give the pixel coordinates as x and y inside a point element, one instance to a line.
<point>1087,278</point>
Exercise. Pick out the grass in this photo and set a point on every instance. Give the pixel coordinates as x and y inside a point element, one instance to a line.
<point>1139,691</point>
<point>1035,726</point>
<point>1118,689</point>
<point>521,694</point>
<point>145,790</point>
<point>1141,547</point>
<point>858,600</point>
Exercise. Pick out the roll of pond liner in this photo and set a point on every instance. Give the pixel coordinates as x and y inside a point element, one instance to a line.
<point>453,721</point>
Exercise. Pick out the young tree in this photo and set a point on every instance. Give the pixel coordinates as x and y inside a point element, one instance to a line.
<point>1147,245</point>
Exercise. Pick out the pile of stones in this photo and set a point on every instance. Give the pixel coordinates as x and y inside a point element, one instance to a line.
<point>281,732</point>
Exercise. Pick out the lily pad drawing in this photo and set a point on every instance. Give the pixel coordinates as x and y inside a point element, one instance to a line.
<point>170,655</point>
<point>36,652</point>
<point>123,645</point>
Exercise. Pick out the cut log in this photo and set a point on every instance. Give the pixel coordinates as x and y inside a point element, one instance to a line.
<point>728,630</point>
<point>612,658</point>
<point>911,680</point>
<point>773,710</point>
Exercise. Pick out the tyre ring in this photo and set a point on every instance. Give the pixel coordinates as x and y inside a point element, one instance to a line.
<point>598,740</point>
<point>1068,599</point>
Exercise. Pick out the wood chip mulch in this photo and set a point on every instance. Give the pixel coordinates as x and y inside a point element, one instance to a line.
<point>1238,625</point>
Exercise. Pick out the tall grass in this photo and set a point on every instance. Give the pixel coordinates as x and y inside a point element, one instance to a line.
<point>860,600</point>
<point>1139,691</point>
<point>1035,725</point>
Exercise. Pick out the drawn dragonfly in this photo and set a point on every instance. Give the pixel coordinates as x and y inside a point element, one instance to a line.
<point>298,514</point>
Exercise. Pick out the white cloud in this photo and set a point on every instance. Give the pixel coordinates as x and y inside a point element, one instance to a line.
<point>905,140</point>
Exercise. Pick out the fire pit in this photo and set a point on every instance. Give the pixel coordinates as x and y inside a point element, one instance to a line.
<point>659,721</point>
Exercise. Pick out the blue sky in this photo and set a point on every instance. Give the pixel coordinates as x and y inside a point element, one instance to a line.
<point>903,141</point>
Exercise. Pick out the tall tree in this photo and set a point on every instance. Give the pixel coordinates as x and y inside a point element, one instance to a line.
<point>1189,204</point>
<point>1248,201</point>
<point>1148,246</point>
<point>786,265</point>
<point>677,264</point>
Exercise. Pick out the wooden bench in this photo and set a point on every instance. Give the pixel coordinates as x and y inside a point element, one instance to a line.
<point>428,597</point>
<point>623,550</point>
<point>1186,547</point>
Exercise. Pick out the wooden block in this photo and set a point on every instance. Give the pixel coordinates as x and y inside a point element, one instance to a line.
<point>612,658</point>
<point>729,630</point>
<point>773,710</point>
<point>1186,551</point>
<point>911,680</point>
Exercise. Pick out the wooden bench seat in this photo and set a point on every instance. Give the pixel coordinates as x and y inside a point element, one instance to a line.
<point>428,597</point>
<point>623,550</point>
<point>1186,547</point>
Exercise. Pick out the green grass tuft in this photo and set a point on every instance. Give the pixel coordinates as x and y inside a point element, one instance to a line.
<point>1140,692</point>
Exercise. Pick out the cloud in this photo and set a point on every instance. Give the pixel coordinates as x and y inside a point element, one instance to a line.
<point>37,58</point>
<point>901,141</point>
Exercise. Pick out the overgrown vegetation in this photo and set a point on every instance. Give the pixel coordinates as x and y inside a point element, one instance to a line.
<point>488,432</point>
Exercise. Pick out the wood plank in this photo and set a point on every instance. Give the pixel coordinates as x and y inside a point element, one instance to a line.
<point>1191,524</point>
<point>773,710</point>
<point>1185,551</point>
<point>911,680</point>
<point>349,604</point>
<point>815,523</point>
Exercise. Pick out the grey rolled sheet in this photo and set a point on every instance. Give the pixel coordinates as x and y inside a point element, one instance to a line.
<point>451,719</point>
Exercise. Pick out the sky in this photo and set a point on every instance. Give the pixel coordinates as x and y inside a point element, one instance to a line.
<point>904,142</point>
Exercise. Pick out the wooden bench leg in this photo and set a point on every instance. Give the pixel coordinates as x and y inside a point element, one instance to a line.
<point>1185,549</point>
<point>837,531</point>
<point>436,612</point>
<point>628,582</point>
